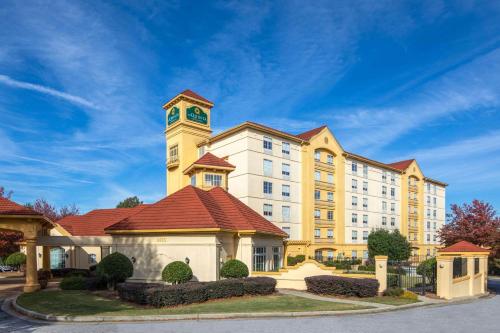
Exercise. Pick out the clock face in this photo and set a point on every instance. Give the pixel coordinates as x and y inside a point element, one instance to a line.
<point>197,115</point>
<point>173,115</point>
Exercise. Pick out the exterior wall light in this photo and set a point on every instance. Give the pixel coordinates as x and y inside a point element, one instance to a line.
<point>133,260</point>
<point>187,260</point>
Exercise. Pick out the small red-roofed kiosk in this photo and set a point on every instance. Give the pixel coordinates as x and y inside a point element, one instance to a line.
<point>15,217</point>
<point>462,270</point>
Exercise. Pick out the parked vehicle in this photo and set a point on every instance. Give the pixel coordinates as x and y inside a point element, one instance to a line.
<point>6,269</point>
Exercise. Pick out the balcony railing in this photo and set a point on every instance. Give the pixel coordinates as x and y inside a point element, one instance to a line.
<point>324,240</point>
<point>324,222</point>
<point>413,201</point>
<point>324,165</point>
<point>323,184</point>
<point>413,215</point>
<point>325,203</point>
<point>413,188</point>
<point>173,162</point>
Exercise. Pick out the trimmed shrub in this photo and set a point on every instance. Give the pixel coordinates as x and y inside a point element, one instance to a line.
<point>261,285</point>
<point>165,296</point>
<point>64,272</point>
<point>194,293</point>
<point>177,272</point>
<point>225,288</point>
<point>393,291</point>
<point>16,259</point>
<point>292,261</point>
<point>43,278</point>
<point>136,292</point>
<point>115,268</point>
<point>234,269</point>
<point>427,267</point>
<point>96,283</point>
<point>336,285</point>
<point>338,264</point>
<point>392,280</point>
<point>366,268</point>
<point>73,283</point>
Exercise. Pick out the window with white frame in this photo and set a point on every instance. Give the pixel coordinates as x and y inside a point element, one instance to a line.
<point>354,168</point>
<point>317,214</point>
<point>365,203</point>
<point>384,176</point>
<point>329,196</point>
<point>268,210</point>
<point>285,149</point>
<point>384,206</point>
<point>434,214</point>
<point>354,185</point>
<point>365,220</point>
<point>317,195</point>
<point>428,225</point>
<point>317,233</point>
<point>428,200</point>
<point>354,235</point>
<point>354,202</point>
<point>428,187</point>
<point>428,237</point>
<point>434,238</point>
<point>285,170</point>
<point>329,215</point>
<point>365,235</point>
<point>393,207</point>
<point>268,168</point>
<point>317,155</point>
<point>259,259</point>
<point>329,255</point>
<point>384,220</point>
<point>92,258</point>
<point>329,178</point>
<point>365,187</point>
<point>354,218</point>
<point>277,259</point>
<point>286,229</point>
<point>213,180</point>
<point>285,213</point>
<point>317,175</point>
<point>329,233</point>
<point>354,254</point>
<point>329,159</point>
<point>268,144</point>
<point>434,201</point>
<point>193,180</point>
<point>173,153</point>
<point>428,213</point>
<point>365,170</point>
<point>285,192</point>
<point>393,221</point>
<point>434,225</point>
<point>384,191</point>
<point>201,151</point>
<point>365,254</point>
<point>393,193</point>
<point>393,178</point>
<point>434,188</point>
<point>267,188</point>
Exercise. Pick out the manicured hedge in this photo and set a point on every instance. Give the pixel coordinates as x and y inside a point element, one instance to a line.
<point>194,292</point>
<point>64,272</point>
<point>292,261</point>
<point>336,285</point>
<point>73,283</point>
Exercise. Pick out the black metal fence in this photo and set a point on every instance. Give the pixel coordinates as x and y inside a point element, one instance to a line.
<point>417,274</point>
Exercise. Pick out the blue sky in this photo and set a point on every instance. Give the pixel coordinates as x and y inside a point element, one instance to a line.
<point>82,85</point>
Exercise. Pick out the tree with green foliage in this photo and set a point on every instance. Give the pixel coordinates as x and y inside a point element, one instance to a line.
<point>130,202</point>
<point>16,259</point>
<point>177,272</point>
<point>391,244</point>
<point>427,267</point>
<point>234,269</point>
<point>115,267</point>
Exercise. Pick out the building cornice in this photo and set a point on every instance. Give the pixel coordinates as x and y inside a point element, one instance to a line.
<point>372,162</point>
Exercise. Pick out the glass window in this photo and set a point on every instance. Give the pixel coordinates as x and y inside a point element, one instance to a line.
<point>213,180</point>
<point>393,221</point>
<point>259,259</point>
<point>285,149</point>
<point>365,254</point>
<point>193,180</point>
<point>285,213</point>
<point>317,175</point>
<point>330,178</point>
<point>428,200</point>
<point>268,144</point>
<point>354,254</point>
<point>354,218</point>
<point>365,203</point>
<point>268,187</point>
<point>393,178</point>
<point>354,185</point>
<point>317,156</point>
<point>317,233</point>
<point>285,170</point>
<point>317,194</point>
<point>329,233</point>
<point>384,176</point>
<point>92,258</point>
<point>173,153</point>
<point>354,235</point>
<point>393,207</point>
<point>384,191</point>
<point>434,201</point>
<point>384,220</point>
<point>365,219</point>
<point>354,202</point>
<point>268,168</point>
<point>329,255</point>
<point>393,192</point>
<point>354,167</point>
<point>286,229</point>
<point>285,191</point>
<point>329,159</point>
<point>365,187</point>
<point>428,213</point>
<point>268,210</point>
<point>434,214</point>
<point>365,235</point>
<point>201,151</point>
<point>428,237</point>
<point>384,206</point>
<point>365,170</point>
<point>329,215</point>
<point>329,196</point>
<point>276,258</point>
<point>317,214</point>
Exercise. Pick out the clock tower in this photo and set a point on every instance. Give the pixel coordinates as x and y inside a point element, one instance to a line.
<point>187,125</point>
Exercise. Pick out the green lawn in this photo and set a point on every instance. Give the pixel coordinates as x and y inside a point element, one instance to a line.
<point>77,303</point>
<point>390,300</point>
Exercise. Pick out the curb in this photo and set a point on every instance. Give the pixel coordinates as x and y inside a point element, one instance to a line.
<point>204,316</point>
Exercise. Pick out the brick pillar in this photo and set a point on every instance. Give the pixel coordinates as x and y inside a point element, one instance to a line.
<point>381,272</point>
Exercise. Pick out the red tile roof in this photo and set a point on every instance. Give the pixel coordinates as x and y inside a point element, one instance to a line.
<point>194,95</point>
<point>94,222</point>
<point>401,165</point>
<point>8,207</point>
<point>193,208</point>
<point>212,160</point>
<point>309,134</point>
<point>463,246</point>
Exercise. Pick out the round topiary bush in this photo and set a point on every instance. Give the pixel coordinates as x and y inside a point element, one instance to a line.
<point>177,272</point>
<point>115,268</point>
<point>16,259</point>
<point>234,269</point>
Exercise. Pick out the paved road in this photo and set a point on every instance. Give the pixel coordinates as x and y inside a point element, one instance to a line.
<point>478,316</point>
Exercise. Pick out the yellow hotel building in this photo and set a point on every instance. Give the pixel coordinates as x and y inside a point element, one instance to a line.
<point>326,199</point>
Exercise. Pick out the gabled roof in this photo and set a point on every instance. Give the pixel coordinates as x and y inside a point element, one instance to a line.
<point>401,165</point>
<point>309,134</point>
<point>9,207</point>
<point>192,208</point>
<point>463,246</point>
<point>210,159</point>
<point>94,222</point>
<point>192,94</point>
